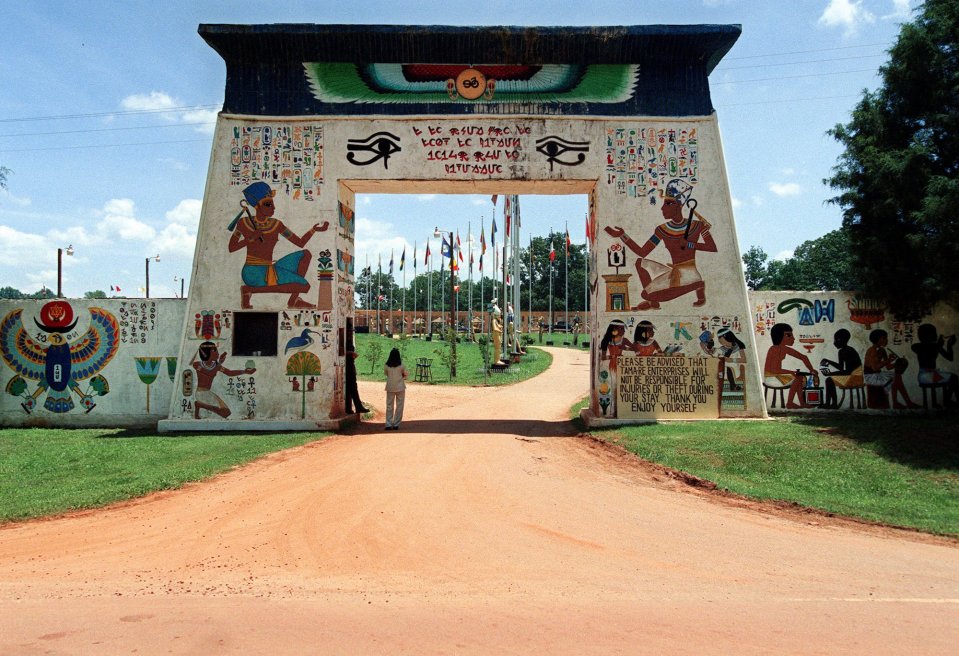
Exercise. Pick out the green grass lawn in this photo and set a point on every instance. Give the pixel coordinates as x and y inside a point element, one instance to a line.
<point>900,470</point>
<point>45,471</point>
<point>374,349</point>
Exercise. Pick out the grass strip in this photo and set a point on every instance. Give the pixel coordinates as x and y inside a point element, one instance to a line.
<point>374,349</point>
<point>898,470</point>
<point>47,471</point>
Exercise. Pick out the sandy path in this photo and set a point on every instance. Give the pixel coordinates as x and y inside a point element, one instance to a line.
<point>483,526</point>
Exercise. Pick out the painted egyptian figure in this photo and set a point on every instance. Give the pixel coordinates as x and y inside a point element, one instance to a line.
<point>259,232</point>
<point>682,237</point>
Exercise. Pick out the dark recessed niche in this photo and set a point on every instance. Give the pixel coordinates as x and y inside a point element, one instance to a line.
<point>255,333</point>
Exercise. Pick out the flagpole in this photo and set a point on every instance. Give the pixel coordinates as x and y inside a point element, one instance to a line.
<point>379,290</point>
<point>429,290</point>
<point>504,354</point>
<point>529,318</point>
<point>414,286</point>
<point>455,301</point>
<point>566,278</point>
<point>469,248</point>
<point>443,296</point>
<point>586,277</point>
<point>482,253</point>
<point>369,281</point>
<point>390,319</point>
<point>403,308</point>
<point>517,305</point>
<point>550,316</point>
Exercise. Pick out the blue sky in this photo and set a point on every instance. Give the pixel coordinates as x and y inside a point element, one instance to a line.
<point>107,115</point>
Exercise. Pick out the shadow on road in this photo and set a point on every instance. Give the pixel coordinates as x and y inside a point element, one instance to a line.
<point>521,427</point>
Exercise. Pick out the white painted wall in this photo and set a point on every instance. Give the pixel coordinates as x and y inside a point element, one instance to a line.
<point>148,336</point>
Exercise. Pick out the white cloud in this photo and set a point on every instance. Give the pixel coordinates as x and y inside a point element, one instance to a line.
<point>426,197</point>
<point>186,213</point>
<point>373,230</point>
<point>379,239</point>
<point>76,235</point>
<point>757,200</point>
<point>785,188</point>
<point>153,101</point>
<point>119,221</point>
<point>788,171</point>
<point>176,239</point>
<point>365,200</point>
<point>900,10</point>
<point>782,256</point>
<point>849,14</point>
<point>20,248</point>
<point>171,109</point>
<point>205,117</point>
<point>736,202</point>
<point>19,201</point>
<point>174,164</point>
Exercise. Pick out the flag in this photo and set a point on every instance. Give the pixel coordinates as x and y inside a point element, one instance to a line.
<point>568,242</point>
<point>426,260</point>
<point>379,259</point>
<point>445,248</point>
<point>114,289</point>
<point>494,198</point>
<point>482,242</point>
<point>414,256</point>
<point>403,258</point>
<point>492,235</point>
<point>506,213</point>
<point>552,251</point>
<point>391,263</point>
<point>459,246</point>
<point>531,251</point>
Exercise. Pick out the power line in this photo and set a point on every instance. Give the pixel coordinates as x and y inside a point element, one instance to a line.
<point>144,143</point>
<point>805,52</point>
<point>100,114</point>
<point>785,100</point>
<point>790,77</point>
<point>808,61</point>
<point>135,127</point>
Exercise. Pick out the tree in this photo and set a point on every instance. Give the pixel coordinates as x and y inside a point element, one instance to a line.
<point>756,269</point>
<point>4,172</point>
<point>823,264</point>
<point>96,293</point>
<point>540,286</point>
<point>11,292</point>
<point>898,178</point>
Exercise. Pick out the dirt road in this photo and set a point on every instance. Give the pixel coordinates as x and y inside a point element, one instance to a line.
<point>484,525</point>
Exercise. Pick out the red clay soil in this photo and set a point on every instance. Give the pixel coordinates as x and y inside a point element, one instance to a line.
<point>484,525</point>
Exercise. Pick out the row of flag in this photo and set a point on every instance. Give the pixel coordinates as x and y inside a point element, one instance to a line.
<point>458,251</point>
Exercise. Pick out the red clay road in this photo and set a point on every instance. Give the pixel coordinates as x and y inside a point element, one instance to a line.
<point>484,526</point>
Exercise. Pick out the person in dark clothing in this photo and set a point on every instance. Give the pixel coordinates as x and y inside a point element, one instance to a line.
<point>353,403</point>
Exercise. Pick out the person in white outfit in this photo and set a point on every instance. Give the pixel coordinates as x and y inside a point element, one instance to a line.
<point>395,389</point>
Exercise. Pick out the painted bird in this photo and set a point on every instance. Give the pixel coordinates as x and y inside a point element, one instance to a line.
<point>60,364</point>
<point>300,342</point>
